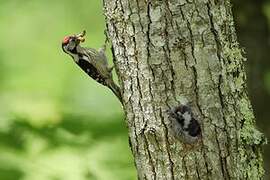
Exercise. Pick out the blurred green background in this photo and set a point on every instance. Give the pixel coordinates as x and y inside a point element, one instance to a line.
<point>56,123</point>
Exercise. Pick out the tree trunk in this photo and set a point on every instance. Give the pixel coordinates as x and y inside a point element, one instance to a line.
<point>168,52</point>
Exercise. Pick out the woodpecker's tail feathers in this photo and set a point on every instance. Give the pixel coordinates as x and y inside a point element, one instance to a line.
<point>116,90</point>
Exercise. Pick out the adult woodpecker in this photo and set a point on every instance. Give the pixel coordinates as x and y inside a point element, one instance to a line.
<point>91,61</point>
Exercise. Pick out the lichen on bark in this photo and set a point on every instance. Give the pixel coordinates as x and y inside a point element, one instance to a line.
<point>167,51</point>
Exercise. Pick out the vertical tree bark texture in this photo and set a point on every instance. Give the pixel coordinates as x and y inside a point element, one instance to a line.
<point>171,51</point>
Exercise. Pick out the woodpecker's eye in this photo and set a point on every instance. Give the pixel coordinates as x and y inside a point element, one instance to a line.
<point>66,40</point>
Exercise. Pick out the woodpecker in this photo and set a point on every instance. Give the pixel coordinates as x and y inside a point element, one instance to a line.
<point>91,61</point>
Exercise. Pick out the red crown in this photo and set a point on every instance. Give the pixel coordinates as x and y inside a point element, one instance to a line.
<point>66,40</point>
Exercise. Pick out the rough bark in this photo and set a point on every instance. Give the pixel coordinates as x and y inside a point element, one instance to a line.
<point>171,51</point>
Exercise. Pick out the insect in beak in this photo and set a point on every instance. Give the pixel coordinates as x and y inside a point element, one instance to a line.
<point>81,36</point>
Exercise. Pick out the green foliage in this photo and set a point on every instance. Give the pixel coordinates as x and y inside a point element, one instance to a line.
<point>55,122</point>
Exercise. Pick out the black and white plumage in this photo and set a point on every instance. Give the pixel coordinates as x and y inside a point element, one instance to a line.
<point>91,61</point>
<point>183,124</point>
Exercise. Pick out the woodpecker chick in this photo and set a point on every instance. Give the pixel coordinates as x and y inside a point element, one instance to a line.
<point>183,124</point>
<point>91,61</point>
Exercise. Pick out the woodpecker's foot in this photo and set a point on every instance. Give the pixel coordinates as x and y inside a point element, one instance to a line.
<point>107,41</point>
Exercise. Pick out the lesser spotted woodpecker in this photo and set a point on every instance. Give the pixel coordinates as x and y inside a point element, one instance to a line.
<point>91,61</point>
<point>183,124</point>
